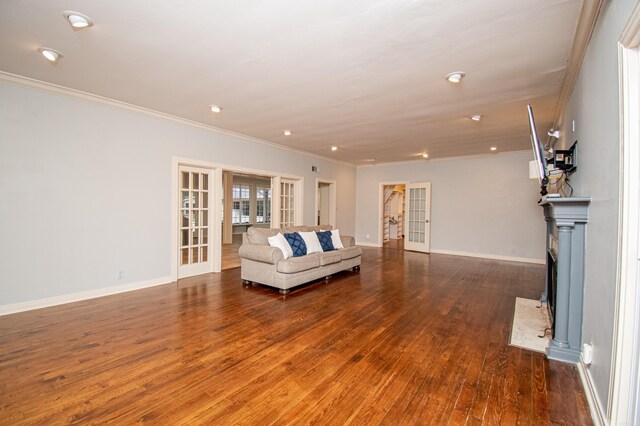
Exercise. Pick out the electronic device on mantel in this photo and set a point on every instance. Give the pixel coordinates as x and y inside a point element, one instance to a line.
<point>563,160</point>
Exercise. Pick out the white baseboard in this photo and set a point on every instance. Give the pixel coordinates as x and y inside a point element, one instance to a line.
<point>367,244</point>
<point>596,409</point>
<point>83,295</point>
<point>490,256</point>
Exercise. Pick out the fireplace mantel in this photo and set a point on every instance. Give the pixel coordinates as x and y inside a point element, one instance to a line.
<point>567,217</point>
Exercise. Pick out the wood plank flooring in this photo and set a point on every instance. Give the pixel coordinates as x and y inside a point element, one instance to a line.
<point>411,339</point>
<point>230,258</point>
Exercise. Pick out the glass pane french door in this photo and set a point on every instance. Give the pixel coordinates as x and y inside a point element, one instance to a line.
<point>287,203</point>
<point>194,239</point>
<point>417,216</point>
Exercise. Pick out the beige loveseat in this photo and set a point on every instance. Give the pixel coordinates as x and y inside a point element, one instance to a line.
<point>263,264</point>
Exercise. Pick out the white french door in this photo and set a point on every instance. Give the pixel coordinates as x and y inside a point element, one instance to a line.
<point>194,231</point>
<point>287,203</point>
<point>418,216</point>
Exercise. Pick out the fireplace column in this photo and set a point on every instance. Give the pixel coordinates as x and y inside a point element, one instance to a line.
<point>550,225</point>
<point>561,328</point>
<point>569,217</point>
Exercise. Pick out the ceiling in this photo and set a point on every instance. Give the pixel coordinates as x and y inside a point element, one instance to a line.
<point>366,76</point>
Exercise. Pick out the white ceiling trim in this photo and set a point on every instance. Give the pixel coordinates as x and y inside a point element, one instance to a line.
<point>458,157</point>
<point>586,24</point>
<point>18,80</point>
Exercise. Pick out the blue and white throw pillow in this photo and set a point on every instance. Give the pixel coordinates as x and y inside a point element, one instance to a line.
<point>325,240</point>
<point>298,247</point>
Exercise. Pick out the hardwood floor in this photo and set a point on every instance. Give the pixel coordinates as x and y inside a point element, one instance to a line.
<point>230,258</point>
<point>411,339</point>
<point>396,244</point>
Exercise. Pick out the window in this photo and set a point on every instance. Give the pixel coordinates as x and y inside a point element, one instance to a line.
<point>263,205</point>
<point>241,204</point>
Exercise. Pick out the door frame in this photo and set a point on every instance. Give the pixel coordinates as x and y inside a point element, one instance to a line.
<point>332,202</point>
<point>215,217</point>
<point>381,186</point>
<point>624,390</point>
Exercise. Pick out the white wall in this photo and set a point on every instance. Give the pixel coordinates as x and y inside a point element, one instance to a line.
<point>594,107</point>
<point>85,190</point>
<point>479,205</point>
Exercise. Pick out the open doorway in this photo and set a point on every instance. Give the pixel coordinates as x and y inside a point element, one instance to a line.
<point>325,202</point>
<point>393,209</point>
<point>246,202</point>
<point>204,194</point>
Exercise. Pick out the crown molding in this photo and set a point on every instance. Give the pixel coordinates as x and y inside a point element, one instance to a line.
<point>458,157</point>
<point>586,24</point>
<point>18,80</point>
<point>630,37</point>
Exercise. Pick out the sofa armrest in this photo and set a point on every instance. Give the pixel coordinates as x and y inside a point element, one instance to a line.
<point>259,253</point>
<point>347,241</point>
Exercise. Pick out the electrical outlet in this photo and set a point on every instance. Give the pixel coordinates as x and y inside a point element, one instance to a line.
<point>367,236</point>
<point>120,275</point>
<point>587,354</point>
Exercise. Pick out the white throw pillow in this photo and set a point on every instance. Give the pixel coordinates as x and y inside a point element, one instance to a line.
<point>312,242</point>
<point>335,239</point>
<point>281,242</point>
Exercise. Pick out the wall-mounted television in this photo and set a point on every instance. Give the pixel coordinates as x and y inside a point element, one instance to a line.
<point>538,153</point>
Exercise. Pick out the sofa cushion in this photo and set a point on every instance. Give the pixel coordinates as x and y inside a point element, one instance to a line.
<point>298,264</point>
<point>297,244</point>
<point>260,235</point>
<point>350,252</point>
<point>325,240</point>
<point>330,257</point>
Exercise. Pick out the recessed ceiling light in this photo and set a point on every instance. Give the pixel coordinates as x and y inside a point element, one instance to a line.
<point>215,108</point>
<point>51,55</point>
<point>476,117</point>
<point>287,132</point>
<point>369,160</point>
<point>455,77</point>
<point>493,148</point>
<point>334,148</point>
<point>77,20</point>
<point>425,155</point>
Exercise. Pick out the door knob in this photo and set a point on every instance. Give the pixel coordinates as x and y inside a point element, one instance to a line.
<point>427,221</point>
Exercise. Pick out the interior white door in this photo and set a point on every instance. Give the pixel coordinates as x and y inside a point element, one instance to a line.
<point>195,256</point>
<point>287,203</point>
<point>418,217</point>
